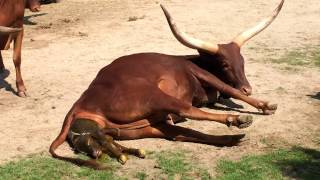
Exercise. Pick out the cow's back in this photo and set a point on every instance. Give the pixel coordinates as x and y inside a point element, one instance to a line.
<point>128,83</point>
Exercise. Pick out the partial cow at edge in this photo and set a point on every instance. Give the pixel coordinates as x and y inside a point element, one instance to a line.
<point>144,95</point>
<point>11,30</point>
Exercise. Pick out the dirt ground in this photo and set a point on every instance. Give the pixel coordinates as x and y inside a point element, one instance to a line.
<point>66,44</point>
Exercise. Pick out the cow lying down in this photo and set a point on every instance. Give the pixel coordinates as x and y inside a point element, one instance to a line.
<point>143,95</point>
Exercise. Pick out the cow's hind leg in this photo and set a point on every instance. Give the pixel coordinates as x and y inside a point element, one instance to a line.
<point>177,133</point>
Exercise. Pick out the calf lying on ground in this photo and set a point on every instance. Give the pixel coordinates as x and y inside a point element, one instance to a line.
<point>136,95</point>
<point>86,137</point>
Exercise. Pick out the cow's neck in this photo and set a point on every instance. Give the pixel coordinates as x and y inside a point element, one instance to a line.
<point>207,63</point>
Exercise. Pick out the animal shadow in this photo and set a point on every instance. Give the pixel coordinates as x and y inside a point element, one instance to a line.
<point>4,84</point>
<point>315,96</point>
<point>229,105</point>
<point>26,19</point>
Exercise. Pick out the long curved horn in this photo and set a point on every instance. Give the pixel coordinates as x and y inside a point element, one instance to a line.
<point>8,30</point>
<point>185,39</point>
<point>248,34</point>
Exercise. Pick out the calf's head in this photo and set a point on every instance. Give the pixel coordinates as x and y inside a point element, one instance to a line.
<point>228,61</point>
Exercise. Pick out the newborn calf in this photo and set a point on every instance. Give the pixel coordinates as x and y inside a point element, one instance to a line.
<point>85,136</point>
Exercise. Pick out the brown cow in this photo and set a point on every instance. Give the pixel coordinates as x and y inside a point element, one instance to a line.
<point>11,15</point>
<point>135,95</point>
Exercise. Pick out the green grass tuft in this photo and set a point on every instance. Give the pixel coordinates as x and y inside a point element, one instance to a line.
<point>141,175</point>
<point>176,164</point>
<point>43,167</point>
<point>297,163</point>
<point>307,56</point>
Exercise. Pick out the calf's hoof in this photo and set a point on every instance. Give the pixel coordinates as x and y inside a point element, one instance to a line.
<point>123,159</point>
<point>141,153</point>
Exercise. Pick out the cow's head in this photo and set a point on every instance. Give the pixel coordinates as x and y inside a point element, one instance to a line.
<point>33,5</point>
<point>229,63</point>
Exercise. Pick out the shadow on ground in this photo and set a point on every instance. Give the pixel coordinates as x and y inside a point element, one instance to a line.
<point>26,19</point>
<point>230,105</point>
<point>4,84</point>
<point>315,96</point>
<point>294,163</point>
<point>306,167</point>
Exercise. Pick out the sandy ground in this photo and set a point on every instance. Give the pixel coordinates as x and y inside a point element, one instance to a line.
<point>67,43</point>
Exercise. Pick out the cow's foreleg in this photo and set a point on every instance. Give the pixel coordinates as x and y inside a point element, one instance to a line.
<point>235,93</point>
<point>17,63</point>
<point>170,104</point>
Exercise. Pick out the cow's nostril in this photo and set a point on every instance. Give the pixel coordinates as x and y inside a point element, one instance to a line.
<point>246,91</point>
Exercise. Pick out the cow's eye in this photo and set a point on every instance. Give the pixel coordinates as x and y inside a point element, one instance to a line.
<point>225,66</point>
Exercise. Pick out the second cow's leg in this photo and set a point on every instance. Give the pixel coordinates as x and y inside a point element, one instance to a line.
<point>17,63</point>
<point>2,68</point>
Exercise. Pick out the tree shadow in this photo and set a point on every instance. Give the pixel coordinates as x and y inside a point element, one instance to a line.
<point>315,96</point>
<point>306,164</point>
<point>26,19</point>
<point>4,84</point>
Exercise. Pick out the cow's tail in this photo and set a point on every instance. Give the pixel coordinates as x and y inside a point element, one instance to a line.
<point>62,137</point>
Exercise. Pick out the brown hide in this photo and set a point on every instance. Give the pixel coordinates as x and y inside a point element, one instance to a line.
<point>137,93</point>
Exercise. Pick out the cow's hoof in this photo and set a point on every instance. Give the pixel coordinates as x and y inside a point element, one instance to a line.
<point>141,153</point>
<point>123,159</point>
<point>270,109</point>
<point>241,121</point>
<point>22,94</point>
<point>244,121</point>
